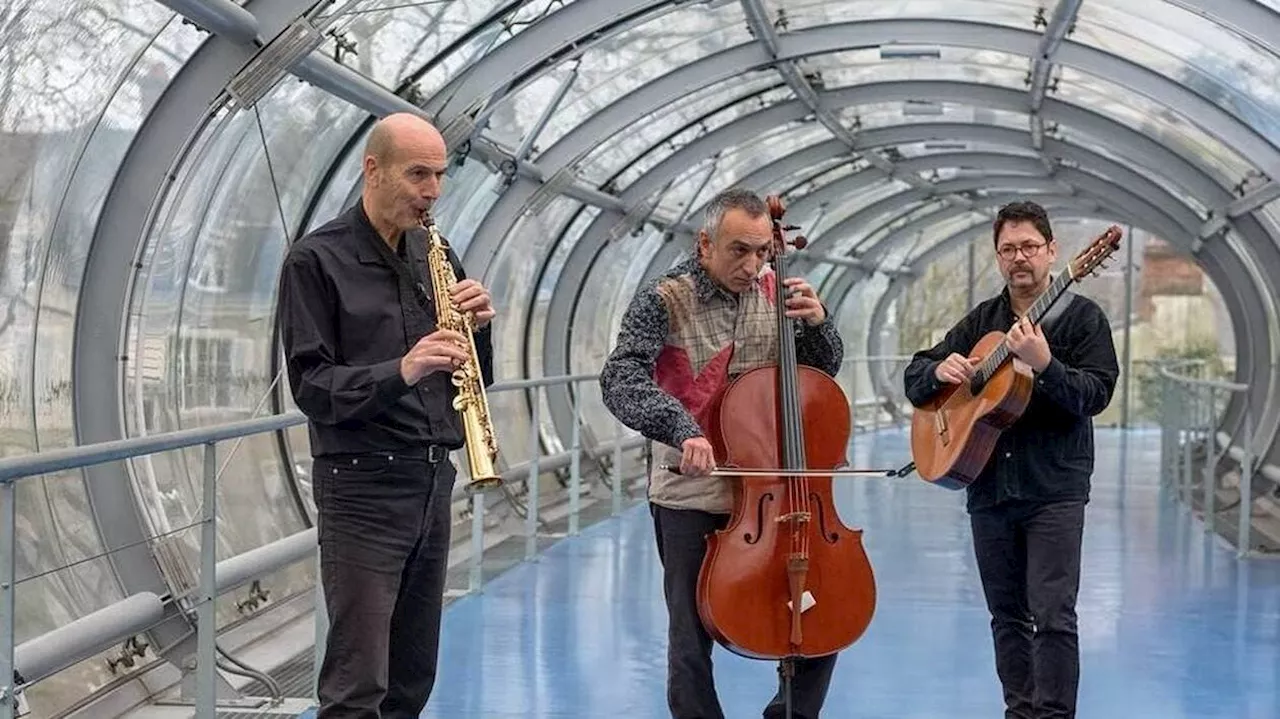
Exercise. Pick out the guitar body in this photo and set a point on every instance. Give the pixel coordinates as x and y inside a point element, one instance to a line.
<point>953,436</point>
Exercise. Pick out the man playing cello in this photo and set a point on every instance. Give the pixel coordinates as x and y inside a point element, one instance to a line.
<point>683,337</point>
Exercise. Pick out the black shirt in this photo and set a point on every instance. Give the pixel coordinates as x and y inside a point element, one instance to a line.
<point>346,318</point>
<point>1047,454</point>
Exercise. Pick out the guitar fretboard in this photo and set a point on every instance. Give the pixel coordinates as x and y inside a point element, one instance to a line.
<point>992,362</point>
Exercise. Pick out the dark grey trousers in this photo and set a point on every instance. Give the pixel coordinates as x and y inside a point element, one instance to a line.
<point>384,544</point>
<point>1029,560</point>
<point>691,693</point>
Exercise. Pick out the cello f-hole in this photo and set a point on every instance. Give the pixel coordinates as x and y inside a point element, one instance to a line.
<point>828,537</point>
<point>767,496</point>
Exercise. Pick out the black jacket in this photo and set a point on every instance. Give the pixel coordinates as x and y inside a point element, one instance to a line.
<point>346,318</point>
<point>1048,453</point>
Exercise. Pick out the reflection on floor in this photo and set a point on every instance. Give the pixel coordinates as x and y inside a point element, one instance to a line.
<point>1171,625</point>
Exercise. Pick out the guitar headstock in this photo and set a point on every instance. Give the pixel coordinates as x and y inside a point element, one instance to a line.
<point>1090,258</point>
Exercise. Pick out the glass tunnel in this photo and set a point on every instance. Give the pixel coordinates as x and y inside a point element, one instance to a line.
<point>158,158</point>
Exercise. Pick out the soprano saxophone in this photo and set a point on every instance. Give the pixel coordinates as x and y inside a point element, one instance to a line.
<point>471,401</point>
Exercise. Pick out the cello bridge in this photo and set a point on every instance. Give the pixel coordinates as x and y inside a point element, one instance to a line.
<point>794,517</point>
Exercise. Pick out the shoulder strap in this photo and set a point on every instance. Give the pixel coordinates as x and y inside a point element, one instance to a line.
<point>1058,308</point>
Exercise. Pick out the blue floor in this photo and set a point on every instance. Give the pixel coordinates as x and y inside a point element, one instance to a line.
<point>1171,626</point>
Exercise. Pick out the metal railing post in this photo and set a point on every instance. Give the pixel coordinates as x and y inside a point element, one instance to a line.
<point>1210,460</point>
<point>617,468</point>
<point>1246,484</point>
<point>575,465</point>
<point>531,505</point>
<point>1166,433</point>
<point>475,581</point>
<point>1187,401</point>
<point>8,556</point>
<point>206,631</point>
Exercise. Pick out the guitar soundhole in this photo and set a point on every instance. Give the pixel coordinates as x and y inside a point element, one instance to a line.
<point>830,537</point>
<point>750,538</point>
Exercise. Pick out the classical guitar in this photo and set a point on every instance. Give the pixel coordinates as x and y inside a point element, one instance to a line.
<point>953,435</point>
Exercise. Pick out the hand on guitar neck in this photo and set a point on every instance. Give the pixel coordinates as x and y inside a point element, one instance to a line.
<point>1026,341</point>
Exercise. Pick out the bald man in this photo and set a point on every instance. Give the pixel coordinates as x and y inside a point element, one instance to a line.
<point>371,372</point>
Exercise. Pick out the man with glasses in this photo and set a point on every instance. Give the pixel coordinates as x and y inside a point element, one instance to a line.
<point>1026,508</point>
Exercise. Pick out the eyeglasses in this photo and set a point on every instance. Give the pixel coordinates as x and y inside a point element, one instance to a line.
<point>1029,250</point>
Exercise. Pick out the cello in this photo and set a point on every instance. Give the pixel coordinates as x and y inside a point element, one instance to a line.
<point>786,578</point>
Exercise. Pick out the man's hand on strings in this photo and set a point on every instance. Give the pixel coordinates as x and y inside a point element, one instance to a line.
<point>1027,342</point>
<point>802,301</point>
<point>956,368</point>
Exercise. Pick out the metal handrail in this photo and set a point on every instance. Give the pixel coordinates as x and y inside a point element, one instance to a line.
<point>86,455</point>
<point>58,648</point>
<point>1189,417</point>
<point>1200,382</point>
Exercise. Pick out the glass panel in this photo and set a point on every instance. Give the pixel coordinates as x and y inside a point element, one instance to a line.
<point>843,209</point>
<point>853,315</point>
<point>536,336</point>
<point>738,162</point>
<point>516,329</point>
<point>203,315</point>
<point>885,114</point>
<point>868,65</point>
<point>77,79</point>
<point>606,293</point>
<point>801,183</point>
<point>1226,68</point>
<point>1161,123</point>
<point>717,105</point>
<point>622,63</point>
<point>798,14</point>
<point>1091,143</point>
<point>389,40</point>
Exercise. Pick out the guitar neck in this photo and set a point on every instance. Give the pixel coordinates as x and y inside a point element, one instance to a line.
<point>1038,310</point>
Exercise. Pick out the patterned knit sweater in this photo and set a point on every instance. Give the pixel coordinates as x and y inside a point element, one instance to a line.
<point>683,338</point>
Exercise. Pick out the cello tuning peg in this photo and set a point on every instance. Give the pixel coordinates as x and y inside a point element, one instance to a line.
<point>799,242</point>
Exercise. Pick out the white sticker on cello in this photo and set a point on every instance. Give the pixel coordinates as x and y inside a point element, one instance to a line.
<point>806,602</point>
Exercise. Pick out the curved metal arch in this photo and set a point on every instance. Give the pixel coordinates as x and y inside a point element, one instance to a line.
<point>1149,153</point>
<point>561,312</point>
<point>1251,314</point>
<point>1237,304</point>
<point>833,38</point>
<point>1172,223</point>
<point>497,224</point>
<point>556,37</point>
<point>1144,153</point>
<point>742,129</point>
<point>102,306</point>
<point>561,35</point>
<point>1147,187</point>
<point>823,39</point>
<point>848,280</point>
<point>1141,186</point>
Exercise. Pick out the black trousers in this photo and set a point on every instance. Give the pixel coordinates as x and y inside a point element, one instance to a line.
<point>384,530</point>
<point>1029,560</point>
<point>691,694</point>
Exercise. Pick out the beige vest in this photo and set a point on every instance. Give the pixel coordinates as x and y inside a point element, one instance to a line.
<point>712,336</point>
